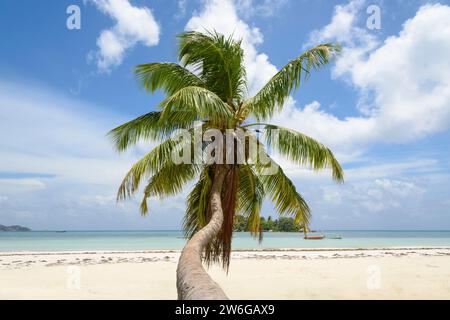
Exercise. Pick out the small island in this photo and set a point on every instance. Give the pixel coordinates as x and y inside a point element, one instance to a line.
<point>13,228</point>
<point>282,224</point>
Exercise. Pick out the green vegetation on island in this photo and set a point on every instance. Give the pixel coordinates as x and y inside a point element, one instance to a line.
<point>283,224</point>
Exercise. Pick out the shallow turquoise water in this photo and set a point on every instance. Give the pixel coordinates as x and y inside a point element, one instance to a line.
<point>142,240</point>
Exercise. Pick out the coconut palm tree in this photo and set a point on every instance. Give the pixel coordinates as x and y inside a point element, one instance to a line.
<point>207,90</point>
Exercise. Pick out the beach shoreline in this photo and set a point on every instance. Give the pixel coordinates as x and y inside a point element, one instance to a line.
<point>27,259</point>
<point>335,273</point>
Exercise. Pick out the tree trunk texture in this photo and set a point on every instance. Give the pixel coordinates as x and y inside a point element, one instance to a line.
<point>193,282</point>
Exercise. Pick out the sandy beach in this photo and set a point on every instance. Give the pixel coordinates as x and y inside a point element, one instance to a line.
<point>400,273</point>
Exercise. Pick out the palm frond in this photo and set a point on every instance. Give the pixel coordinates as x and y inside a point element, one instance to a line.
<point>196,100</point>
<point>196,216</point>
<point>250,197</point>
<point>168,76</point>
<point>168,181</point>
<point>149,164</point>
<point>150,127</point>
<point>219,61</point>
<point>283,193</point>
<point>302,149</point>
<point>274,94</point>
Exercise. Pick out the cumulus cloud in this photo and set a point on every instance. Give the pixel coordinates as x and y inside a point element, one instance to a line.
<point>134,25</point>
<point>222,16</point>
<point>348,136</point>
<point>344,28</point>
<point>403,82</point>
<point>408,77</point>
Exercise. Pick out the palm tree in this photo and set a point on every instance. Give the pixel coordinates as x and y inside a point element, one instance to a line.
<point>208,86</point>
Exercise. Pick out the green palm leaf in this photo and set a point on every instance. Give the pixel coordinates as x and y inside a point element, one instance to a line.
<point>250,197</point>
<point>151,126</point>
<point>284,195</point>
<point>196,216</point>
<point>199,101</point>
<point>219,60</point>
<point>149,164</point>
<point>168,76</point>
<point>168,181</point>
<point>274,94</point>
<point>302,149</point>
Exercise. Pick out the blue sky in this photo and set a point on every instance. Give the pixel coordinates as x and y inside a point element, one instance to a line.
<point>383,106</point>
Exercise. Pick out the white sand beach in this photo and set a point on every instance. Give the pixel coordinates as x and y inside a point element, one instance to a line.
<point>400,273</point>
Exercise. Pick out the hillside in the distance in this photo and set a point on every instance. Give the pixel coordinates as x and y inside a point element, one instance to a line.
<point>13,228</point>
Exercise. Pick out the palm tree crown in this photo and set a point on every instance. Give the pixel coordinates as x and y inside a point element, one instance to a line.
<point>209,86</point>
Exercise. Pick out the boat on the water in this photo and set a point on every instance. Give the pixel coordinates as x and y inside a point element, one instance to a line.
<point>318,237</point>
<point>314,236</point>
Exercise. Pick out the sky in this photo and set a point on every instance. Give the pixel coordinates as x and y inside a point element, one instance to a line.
<point>383,106</point>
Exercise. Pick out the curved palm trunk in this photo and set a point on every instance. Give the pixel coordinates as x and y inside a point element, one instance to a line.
<point>193,282</point>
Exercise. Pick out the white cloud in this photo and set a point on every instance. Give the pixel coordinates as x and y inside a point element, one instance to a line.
<point>133,25</point>
<point>374,195</point>
<point>398,188</point>
<point>347,136</point>
<point>409,77</point>
<point>403,82</point>
<point>221,15</point>
<point>342,25</point>
<point>344,29</point>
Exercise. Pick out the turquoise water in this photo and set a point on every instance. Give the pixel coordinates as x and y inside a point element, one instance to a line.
<point>143,240</point>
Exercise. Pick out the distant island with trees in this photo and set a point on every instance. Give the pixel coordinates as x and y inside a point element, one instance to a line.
<point>282,224</point>
<point>13,228</point>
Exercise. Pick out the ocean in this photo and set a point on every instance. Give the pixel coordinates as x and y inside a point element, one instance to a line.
<point>148,240</point>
